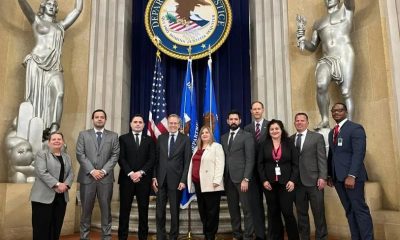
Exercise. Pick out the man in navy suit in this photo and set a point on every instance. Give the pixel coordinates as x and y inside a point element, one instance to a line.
<point>346,171</point>
<point>173,154</point>
<point>136,159</point>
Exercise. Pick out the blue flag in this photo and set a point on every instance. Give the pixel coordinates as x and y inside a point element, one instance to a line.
<point>189,121</point>
<point>210,111</point>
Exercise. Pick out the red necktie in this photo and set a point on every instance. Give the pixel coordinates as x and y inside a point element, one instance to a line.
<point>335,134</point>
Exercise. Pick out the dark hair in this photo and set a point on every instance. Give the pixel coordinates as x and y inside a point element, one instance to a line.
<point>99,110</point>
<point>340,103</point>
<point>137,115</point>
<point>56,132</point>
<point>234,111</point>
<point>301,114</point>
<point>285,135</point>
<point>262,105</point>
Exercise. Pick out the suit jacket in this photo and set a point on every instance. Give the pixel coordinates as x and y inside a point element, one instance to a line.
<point>134,159</point>
<point>312,159</point>
<point>90,156</point>
<point>47,169</point>
<point>252,129</point>
<point>348,159</point>
<point>211,169</point>
<point>289,162</point>
<point>239,161</point>
<point>172,168</point>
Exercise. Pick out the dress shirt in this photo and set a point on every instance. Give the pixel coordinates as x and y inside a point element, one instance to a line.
<point>303,137</point>
<point>236,131</point>
<point>260,122</point>
<point>139,136</point>
<point>102,136</point>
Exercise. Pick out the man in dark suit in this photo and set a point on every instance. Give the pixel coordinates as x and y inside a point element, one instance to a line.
<point>173,153</point>
<point>313,168</point>
<point>136,159</point>
<point>97,151</point>
<point>347,146</point>
<point>258,128</point>
<point>239,164</point>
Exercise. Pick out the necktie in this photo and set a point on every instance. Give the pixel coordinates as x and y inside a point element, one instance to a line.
<point>98,138</point>
<point>231,141</point>
<point>171,144</point>
<point>137,139</point>
<point>335,134</point>
<point>298,142</point>
<point>258,132</point>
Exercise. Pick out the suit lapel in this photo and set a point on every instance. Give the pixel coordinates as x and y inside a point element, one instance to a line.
<point>93,135</point>
<point>264,128</point>
<point>178,140</point>
<point>307,140</point>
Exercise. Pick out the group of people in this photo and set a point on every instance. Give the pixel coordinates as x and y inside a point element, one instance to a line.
<point>261,159</point>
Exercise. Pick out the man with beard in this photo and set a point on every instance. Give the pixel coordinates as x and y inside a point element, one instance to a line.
<point>97,151</point>
<point>239,163</point>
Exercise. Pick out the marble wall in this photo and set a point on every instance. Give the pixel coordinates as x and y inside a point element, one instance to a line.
<point>16,41</point>
<point>372,88</point>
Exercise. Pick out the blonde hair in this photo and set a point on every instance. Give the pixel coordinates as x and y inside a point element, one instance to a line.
<point>199,142</point>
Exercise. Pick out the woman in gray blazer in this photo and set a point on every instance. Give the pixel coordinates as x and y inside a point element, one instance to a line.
<point>49,194</point>
<point>205,177</point>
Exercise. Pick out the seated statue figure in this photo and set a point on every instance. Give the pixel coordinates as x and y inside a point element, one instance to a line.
<point>337,63</point>
<point>44,77</point>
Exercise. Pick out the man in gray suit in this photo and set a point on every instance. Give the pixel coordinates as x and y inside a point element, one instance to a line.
<point>97,151</point>
<point>313,174</point>
<point>173,155</point>
<point>239,164</point>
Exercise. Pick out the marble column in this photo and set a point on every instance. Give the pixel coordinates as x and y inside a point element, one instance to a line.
<point>270,58</point>
<point>393,25</point>
<point>110,62</point>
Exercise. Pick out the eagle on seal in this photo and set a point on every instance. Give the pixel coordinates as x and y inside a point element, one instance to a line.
<point>186,6</point>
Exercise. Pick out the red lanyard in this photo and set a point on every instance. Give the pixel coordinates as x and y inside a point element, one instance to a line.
<point>276,154</point>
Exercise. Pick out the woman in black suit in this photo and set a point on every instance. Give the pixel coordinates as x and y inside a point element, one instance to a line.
<point>278,167</point>
<point>49,194</point>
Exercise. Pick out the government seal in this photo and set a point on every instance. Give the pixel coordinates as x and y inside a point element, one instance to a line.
<point>188,28</point>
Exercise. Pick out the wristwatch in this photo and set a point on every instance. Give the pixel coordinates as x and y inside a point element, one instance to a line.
<point>246,179</point>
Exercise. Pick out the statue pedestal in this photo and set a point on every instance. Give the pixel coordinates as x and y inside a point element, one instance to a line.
<point>16,212</point>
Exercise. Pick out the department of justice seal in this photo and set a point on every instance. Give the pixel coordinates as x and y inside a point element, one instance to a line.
<point>188,28</point>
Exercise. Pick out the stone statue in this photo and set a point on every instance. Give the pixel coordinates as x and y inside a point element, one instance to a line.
<point>44,77</point>
<point>41,112</point>
<point>337,63</point>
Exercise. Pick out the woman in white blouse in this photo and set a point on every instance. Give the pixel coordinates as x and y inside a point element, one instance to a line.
<point>205,178</point>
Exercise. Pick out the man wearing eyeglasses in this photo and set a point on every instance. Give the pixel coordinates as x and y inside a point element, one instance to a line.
<point>346,171</point>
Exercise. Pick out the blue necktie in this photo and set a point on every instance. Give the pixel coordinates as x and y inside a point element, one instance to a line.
<point>98,138</point>
<point>298,142</point>
<point>171,144</point>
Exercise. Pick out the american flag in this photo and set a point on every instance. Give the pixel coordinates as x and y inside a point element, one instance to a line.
<point>157,124</point>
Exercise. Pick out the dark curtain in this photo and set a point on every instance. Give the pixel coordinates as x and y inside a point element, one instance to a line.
<point>231,69</point>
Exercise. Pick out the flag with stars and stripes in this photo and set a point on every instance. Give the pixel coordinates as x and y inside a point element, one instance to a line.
<point>157,124</point>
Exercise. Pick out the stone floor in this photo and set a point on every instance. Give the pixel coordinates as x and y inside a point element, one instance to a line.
<point>96,236</point>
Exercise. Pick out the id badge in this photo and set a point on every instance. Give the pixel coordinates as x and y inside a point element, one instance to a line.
<point>340,142</point>
<point>277,171</point>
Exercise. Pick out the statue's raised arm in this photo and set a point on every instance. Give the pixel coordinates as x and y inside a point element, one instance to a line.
<point>27,10</point>
<point>73,15</point>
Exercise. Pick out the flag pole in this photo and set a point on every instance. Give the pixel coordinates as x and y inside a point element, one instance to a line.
<point>189,208</point>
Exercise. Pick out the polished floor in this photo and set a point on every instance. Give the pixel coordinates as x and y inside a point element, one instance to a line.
<point>96,236</point>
